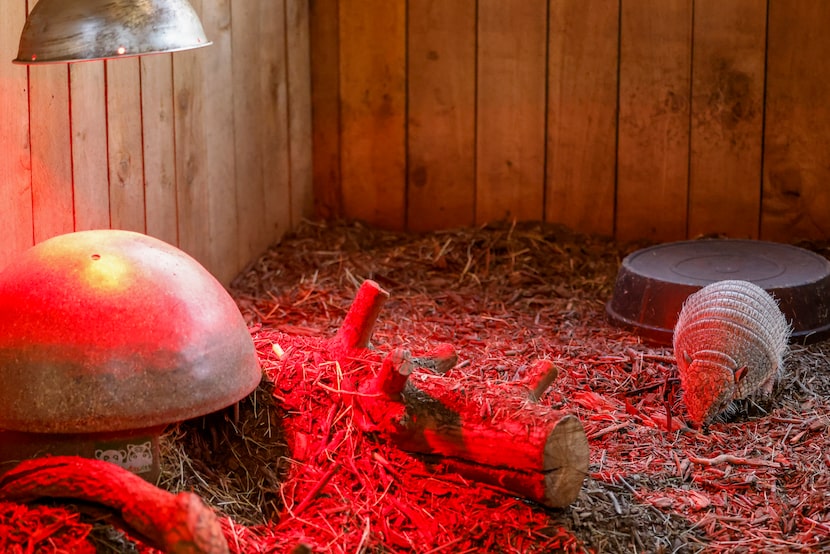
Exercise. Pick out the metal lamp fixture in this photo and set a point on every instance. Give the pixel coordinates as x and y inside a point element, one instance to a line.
<point>69,31</point>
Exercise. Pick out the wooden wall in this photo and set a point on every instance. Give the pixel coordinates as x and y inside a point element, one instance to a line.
<point>208,149</point>
<point>657,119</point>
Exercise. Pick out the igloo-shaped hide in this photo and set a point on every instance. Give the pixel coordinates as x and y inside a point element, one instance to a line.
<point>109,330</point>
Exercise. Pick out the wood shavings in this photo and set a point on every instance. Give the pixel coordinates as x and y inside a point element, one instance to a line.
<point>505,297</point>
<point>734,460</point>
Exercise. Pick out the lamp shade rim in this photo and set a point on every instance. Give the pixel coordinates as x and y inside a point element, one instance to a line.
<point>23,59</point>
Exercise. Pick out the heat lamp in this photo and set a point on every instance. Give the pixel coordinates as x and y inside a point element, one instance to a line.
<point>59,31</point>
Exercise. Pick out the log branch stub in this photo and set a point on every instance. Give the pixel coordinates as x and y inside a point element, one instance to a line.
<point>356,330</point>
<point>175,523</point>
<point>541,376</point>
<point>394,372</point>
<point>440,359</point>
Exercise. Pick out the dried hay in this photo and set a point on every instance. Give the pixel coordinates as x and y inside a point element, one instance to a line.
<point>294,472</point>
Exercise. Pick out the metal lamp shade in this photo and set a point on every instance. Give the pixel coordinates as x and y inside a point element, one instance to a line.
<point>77,30</point>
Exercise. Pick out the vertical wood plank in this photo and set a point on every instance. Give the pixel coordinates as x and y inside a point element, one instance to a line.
<point>205,171</point>
<point>373,95</point>
<point>441,119</point>
<point>51,144</point>
<point>159,146</point>
<point>16,227</point>
<point>52,202</point>
<point>653,148</point>
<point>126,163</point>
<point>192,186</point>
<point>796,196</point>
<point>727,117</point>
<point>89,145</point>
<point>272,96</point>
<point>325,99</point>
<point>582,114</point>
<point>299,111</point>
<point>249,122</point>
<point>510,128</point>
<point>218,90</point>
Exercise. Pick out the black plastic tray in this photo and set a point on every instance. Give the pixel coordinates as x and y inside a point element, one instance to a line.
<point>653,283</point>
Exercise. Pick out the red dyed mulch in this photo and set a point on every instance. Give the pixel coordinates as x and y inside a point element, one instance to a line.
<point>295,473</point>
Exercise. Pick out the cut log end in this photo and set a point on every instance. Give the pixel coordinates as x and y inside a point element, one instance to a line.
<point>565,464</point>
<point>394,372</point>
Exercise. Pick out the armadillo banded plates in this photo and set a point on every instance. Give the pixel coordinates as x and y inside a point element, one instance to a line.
<point>653,282</point>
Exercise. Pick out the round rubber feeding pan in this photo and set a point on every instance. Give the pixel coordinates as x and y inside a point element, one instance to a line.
<point>653,283</point>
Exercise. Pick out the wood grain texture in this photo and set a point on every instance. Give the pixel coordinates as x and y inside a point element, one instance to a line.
<point>54,168</point>
<point>126,156</point>
<point>582,114</point>
<point>510,119</point>
<point>653,147</point>
<point>324,32</point>
<point>218,91</point>
<point>275,147</point>
<point>16,226</point>
<point>159,147</point>
<point>298,110</point>
<point>50,141</point>
<point>248,135</point>
<point>90,168</point>
<point>52,203</point>
<point>796,197</point>
<point>373,99</point>
<point>727,117</point>
<point>192,192</point>
<point>441,94</point>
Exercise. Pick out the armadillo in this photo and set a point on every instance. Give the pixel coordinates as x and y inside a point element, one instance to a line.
<point>730,341</point>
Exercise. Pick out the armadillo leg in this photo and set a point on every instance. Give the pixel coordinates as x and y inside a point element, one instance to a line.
<point>766,386</point>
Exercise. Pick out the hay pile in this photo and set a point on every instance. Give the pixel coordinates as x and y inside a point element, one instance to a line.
<point>293,472</point>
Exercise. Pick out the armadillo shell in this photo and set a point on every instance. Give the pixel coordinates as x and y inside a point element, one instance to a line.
<point>740,320</point>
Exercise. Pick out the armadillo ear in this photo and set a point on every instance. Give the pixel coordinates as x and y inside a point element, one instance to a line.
<point>740,373</point>
<point>687,357</point>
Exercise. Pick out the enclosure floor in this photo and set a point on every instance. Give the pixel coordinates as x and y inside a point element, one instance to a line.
<point>302,474</point>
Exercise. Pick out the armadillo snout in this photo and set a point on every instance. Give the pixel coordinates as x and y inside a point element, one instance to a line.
<point>708,389</point>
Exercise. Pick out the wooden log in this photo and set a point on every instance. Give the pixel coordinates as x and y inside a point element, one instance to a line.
<point>179,523</point>
<point>493,433</point>
<point>487,432</point>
